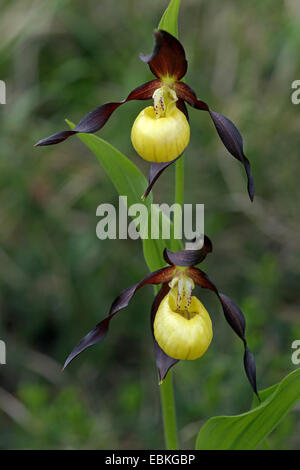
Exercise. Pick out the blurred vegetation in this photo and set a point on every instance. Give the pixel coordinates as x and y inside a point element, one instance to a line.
<point>60,59</point>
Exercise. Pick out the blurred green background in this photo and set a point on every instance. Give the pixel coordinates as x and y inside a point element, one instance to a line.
<point>62,58</point>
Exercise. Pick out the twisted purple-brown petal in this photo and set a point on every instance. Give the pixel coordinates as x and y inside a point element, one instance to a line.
<point>98,333</point>
<point>187,94</point>
<point>234,317</point>
<point>168,57</point>
<point>156,169</point>
<point>96,119</point>
<point>233,141</point>
<point>227,131</point>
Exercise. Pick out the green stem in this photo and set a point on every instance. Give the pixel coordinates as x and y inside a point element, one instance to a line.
<point>169,413</point>
<point>179,197</point>
<point>179,181</point>
<point>169,22</point>
<point>166,388</point>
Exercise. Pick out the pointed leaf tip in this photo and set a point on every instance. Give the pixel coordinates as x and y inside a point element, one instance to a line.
<point>169,20</point>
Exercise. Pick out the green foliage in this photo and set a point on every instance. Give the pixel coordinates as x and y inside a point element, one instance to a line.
<point>169,20</point>
<point>129,181</point>
<point>59,420</point>
<point>56,277</point>
<point>248,430</point>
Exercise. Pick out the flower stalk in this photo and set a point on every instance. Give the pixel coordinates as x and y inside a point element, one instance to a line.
<point>169,412</point>
<point>166,386</point>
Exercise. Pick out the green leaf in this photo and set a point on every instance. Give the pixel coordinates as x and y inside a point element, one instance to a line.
<point>264,394</point>
<point>169,20</point>
<point>248,430</point>
<point>129,181</point>
<point>126,177</point>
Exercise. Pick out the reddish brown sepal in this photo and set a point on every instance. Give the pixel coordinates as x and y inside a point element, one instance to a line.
<point>167,58</point>
<point>98,333</point>
<point>145,91</point>
<point>163,361</point>
<point>96,119</point>
<point>188,257</point>
<point>187,94</point>
<point>234,317</point>
<point>156,169</point>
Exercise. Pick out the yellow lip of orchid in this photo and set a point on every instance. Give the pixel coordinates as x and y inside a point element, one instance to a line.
<point>182,326</point>
<point>160,140</point>
<point>161,132</point>
<point>182,334</point>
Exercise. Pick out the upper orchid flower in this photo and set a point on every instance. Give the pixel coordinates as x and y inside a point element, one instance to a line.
<point>161,132</point>
<point>181,326</point>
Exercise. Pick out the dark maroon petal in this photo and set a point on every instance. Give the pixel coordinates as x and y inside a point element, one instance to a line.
<point>98,333</point>
<point>96,119</point>
<point>227,131</point>
<point>156,169</point>
<point>145,91</point>
<point>234,317</point>
<point>187,94</point>
<point>233,141</point>
<point>163,361</point>
<point>201,279</point>
<point>188,257</point>
<point>250,369</point>
<point>55,138</point>
<point>167,58</point>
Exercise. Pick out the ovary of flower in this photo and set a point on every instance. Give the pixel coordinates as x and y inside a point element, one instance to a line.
<point>161,132</point>
<point>182,333</point>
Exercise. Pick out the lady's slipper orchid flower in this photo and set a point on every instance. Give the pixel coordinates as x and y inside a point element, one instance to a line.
<point>181,326</point>
<point>161,132</point>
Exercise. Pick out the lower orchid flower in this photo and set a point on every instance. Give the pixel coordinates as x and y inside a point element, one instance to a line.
<point>161,132</point>
<point>181,326</point>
